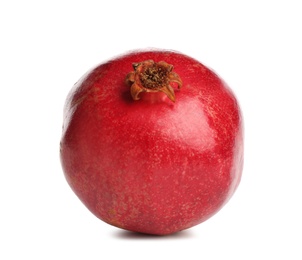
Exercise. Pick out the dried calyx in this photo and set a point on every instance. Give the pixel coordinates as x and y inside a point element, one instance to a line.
<point>150,76</point>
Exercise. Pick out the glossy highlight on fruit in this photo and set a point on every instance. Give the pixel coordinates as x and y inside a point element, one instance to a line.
<point>152,141</point>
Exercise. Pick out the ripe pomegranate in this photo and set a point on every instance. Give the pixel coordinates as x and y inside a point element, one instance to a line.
<point>152,142</point>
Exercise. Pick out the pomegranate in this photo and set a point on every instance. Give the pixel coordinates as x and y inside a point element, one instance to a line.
<point>152,141</point>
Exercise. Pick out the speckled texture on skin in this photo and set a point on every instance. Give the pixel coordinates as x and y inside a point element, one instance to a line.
<point>151,165</point>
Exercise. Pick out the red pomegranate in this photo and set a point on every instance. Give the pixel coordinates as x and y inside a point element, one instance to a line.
<point>152,141</point>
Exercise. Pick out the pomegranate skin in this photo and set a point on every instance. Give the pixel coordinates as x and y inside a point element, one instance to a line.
<point>152,165</point>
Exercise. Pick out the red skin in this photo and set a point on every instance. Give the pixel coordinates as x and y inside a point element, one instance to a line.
<point>151,165</point>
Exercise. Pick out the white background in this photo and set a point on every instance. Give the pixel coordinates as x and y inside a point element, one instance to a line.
<point>45,48</point>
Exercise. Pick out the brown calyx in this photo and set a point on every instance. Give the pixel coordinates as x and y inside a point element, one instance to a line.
<point>150,76</point>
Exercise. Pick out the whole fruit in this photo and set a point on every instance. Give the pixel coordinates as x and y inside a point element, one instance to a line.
<point>152,141</point>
